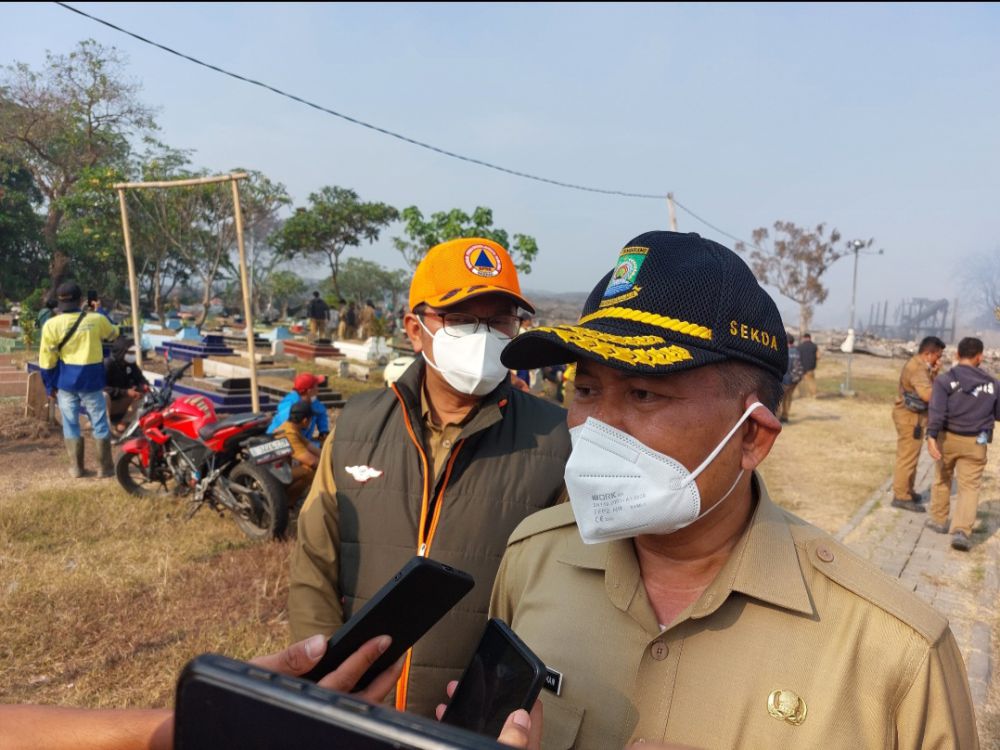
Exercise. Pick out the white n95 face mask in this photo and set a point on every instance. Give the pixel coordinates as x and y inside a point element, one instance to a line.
<point>621,488</point>
<point>470,364</point>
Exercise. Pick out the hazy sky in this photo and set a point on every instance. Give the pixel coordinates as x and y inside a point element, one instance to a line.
<point>881,120</point>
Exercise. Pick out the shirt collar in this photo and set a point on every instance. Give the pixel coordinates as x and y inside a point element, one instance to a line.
<point>764,565</point>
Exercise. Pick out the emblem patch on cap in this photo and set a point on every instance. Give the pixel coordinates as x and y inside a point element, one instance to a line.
<point>483,261</point>
<point>622,285</point>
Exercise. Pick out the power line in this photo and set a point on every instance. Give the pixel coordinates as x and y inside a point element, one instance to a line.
<point>390,133</point>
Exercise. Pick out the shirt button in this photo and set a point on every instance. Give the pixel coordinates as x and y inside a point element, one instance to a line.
<point>446,443</point>
<point>659,650</point>
<point>824,554</point>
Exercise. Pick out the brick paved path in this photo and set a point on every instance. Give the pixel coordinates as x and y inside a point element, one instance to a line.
<point>964,586</point>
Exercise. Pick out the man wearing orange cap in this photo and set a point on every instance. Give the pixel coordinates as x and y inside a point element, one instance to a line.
<point>445,463</point>
<point>305,387</point>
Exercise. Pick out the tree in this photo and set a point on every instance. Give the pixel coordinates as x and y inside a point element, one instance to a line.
<point>795,262</point>
<point>21,258</point>
<point>72,116</point>
<point>336,220</point>
<point>980,280</point>
<point>422,235</point>
<point>284,286</point>
<point>362,280</point>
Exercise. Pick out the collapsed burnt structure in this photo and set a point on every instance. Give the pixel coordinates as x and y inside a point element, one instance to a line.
<point>913,319</point>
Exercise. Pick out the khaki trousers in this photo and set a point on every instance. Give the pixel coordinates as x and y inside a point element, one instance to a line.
<point>809,384</point>
<point>786,400</point>
<point>907,450</point>
<point>963,458</point>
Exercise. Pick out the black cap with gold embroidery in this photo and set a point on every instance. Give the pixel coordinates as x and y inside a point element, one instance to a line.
<point>672,302</point>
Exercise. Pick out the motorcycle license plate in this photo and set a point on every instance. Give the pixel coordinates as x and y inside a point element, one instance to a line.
<point>270,451</point>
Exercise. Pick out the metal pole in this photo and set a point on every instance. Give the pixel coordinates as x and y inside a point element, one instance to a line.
<point>133,285</point>
<point>247,312</point>
<point>850,327</point>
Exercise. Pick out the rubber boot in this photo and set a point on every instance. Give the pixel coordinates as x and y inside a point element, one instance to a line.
<point>104,456</point>
<point>74,447</point>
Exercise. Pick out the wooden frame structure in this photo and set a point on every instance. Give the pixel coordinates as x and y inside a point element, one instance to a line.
<point>133,283</point>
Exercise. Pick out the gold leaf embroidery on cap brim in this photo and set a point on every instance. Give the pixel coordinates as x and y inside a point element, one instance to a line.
<point>609,346</point>
<point>650,319</point>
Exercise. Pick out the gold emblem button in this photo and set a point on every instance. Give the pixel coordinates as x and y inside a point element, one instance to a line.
<point>786,706</point>
<point>659,650</point>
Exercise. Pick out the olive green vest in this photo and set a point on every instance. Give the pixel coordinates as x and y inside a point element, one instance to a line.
<point>509,464</point>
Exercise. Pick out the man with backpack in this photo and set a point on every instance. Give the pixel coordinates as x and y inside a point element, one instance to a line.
<point>793,376</point>
<point>71,360</point>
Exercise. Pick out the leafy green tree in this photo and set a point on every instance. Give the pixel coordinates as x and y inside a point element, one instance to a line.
<point>335,220</point>
<point>284,287</point>
<point>423,234</point>
<point>794,263</point>
<point>72,116</point>
<point>21,257</point>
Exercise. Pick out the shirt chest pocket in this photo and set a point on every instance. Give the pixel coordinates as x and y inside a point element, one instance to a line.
<point>560,723</point>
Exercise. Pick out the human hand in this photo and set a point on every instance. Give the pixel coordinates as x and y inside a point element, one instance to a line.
<point>518,383</point>
<point>134,392</point>
<point>300,657</point>
<point>933,450</point>
<point>521,730</point>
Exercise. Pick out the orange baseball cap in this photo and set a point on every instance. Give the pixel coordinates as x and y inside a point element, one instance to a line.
<point>468,267</point>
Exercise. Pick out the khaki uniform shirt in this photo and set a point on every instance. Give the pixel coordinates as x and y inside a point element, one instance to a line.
<point>918,378</point>
<point>314,602</point>
<point>797,643</point>
<point>300,447</point>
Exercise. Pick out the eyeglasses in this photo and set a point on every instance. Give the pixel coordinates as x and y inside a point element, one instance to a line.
<point>462,324</point>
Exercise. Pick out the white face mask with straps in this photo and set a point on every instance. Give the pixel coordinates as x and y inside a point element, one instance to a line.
<point>471,363</point>
<point>621,488</point>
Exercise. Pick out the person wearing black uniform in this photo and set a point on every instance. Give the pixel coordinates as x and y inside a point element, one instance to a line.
<point>125,381</point>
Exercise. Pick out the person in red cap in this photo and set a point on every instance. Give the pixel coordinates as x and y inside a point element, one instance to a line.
<point>444,463</point>
<point>305,387</point>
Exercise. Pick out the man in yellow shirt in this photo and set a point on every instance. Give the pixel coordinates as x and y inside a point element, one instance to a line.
<point>71,360</point>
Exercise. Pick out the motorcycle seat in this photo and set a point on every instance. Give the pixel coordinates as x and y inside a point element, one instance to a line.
<point>235,420</point>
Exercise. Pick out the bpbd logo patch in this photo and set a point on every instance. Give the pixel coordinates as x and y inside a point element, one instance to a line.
<point>626,271</point>
<point>483,261</point>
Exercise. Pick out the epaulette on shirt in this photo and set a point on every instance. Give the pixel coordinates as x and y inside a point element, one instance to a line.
<point>842,566</point>
<point>542,521</point>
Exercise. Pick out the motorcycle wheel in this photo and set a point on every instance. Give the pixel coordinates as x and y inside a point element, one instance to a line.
<point>270,518</point>
<point>129,472</point>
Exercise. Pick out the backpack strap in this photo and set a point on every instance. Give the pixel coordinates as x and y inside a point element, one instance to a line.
<point>71,331</point>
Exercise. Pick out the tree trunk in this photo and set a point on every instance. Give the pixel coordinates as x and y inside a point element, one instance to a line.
<point>805,318</point>
<point>334,258</point>
<point>158,298</point>
<point>58,260</point>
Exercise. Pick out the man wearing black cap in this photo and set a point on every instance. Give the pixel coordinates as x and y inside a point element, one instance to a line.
<point>671,599</point>
<point>72,365</point>
<point>124,381</point>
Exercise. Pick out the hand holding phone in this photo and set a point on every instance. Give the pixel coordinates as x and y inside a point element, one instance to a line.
<point>419,595</point>
<point>503,676</point>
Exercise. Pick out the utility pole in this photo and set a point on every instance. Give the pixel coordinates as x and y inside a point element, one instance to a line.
<point>673,212</point>
<point>846,387</point>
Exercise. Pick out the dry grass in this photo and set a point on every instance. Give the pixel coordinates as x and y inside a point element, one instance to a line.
<point>104,597</point>
<point>835,451</point>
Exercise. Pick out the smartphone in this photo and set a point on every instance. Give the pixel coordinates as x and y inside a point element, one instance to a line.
<point>225,703</point>
<point>503,676</point>
<point>405,608</point>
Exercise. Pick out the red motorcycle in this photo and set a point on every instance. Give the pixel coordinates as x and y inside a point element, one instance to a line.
<point>226,464</point>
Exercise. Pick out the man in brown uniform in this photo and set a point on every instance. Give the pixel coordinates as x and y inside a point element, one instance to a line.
<point>444,463</point>
<point>965,403</point>
<point>672,599</point>
<point>304,453</point>
<point>910,415</point>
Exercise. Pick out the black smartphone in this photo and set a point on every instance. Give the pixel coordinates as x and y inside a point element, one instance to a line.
<point>503,676</point>
<point>225,703</point>
<point>405,608</point>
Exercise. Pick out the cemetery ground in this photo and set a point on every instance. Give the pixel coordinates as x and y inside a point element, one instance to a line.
<point>104,596</point>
